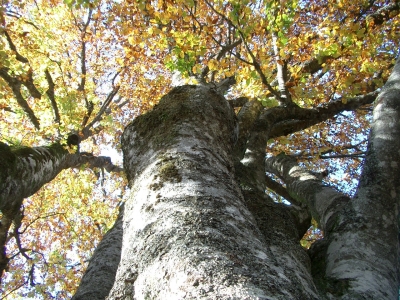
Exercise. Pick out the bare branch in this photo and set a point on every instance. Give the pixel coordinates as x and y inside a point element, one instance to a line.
<point>15,86</point>
<point>110,97</point>
<point>224,49</point>
<point>228,48</point>
<point>17,224</point>
<point>353,155</point>
<point>38,218</point>
<point>307,188</point>
<point>16,15</point>
<point>357,152</point>
<point>103,162</point>
<point>259,71</point>
<point>81,86</point>
<point>50,94</point>
<point>285,94</point>
<point>286,120</point>
<point>385,13</point>
<point>18,56</point>
<point>280,190</point>
<point>27,82</point>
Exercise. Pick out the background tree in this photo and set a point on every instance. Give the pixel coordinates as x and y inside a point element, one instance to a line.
<point>306,74</point>
<point>54,90</point>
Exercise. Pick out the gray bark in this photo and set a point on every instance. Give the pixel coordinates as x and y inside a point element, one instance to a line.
<point>100,274</point>
<point>187,230</point>
<point>198,224</point>
<point>359,256</point>
<point>323,201</point>
<point>363,251</point>
<point>24,170</point>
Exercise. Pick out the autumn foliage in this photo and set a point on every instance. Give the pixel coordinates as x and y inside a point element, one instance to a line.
<point>89,67</point>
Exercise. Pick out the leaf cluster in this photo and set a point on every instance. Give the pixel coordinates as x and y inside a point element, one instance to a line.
<point>90,66</point>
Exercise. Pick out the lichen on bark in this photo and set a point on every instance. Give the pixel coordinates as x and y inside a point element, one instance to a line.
<point>187,229</point>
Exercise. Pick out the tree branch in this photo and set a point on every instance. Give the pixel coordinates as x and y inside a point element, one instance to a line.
<point>281,76</point>
<point>110,97</point>
<point>29,177</point>
<point>18,56</point>
<point>259,71</point>
<point>50,94</point>
<point>17,224</point>
<point>323,201</point>
<point>29,81</point>
<point>101,270</point>
<point>314,65</point>
<point>385,13</point>
<point>286,120</point>
<point>358,153</point>
<point>379,17</point>
<point>280,190</point>
<point>228,48</point>
<point>81,86</point>
<point>15,86</point>
<point>103,162</point>
<point>247,115</point>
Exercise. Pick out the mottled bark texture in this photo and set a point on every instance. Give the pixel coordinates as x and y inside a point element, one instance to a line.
<point>198,224</point>
<point>100,274</point>
<point>187,230</point>
<point>359,255</point>
<point>363,249</point>
<point>24,170</point>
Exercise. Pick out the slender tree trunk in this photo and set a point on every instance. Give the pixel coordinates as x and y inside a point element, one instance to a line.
<point>359,255</point>
<point>100,274</point>
<point>24,170</point>
<point>363,251</point>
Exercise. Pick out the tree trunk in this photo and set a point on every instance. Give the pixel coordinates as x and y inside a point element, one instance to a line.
<point>187,231</point>
<point>197,223</point>
<point>24,170</point>
<point>363,248</point>
<point>359,255</point>
<point>100,275</point>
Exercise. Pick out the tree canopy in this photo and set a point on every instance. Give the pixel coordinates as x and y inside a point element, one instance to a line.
<point>87,68</point>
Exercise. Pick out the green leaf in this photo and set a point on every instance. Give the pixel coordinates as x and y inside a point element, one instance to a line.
<point>269,102</point>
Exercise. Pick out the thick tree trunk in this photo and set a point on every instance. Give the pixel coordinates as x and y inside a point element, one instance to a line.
<point>187,230</point>
<point>23,172</point>
<point>197,223</point>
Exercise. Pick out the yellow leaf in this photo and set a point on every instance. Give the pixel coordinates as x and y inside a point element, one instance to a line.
<point>131,40</point>
<point>212,64</point>
<point>196,69</point>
